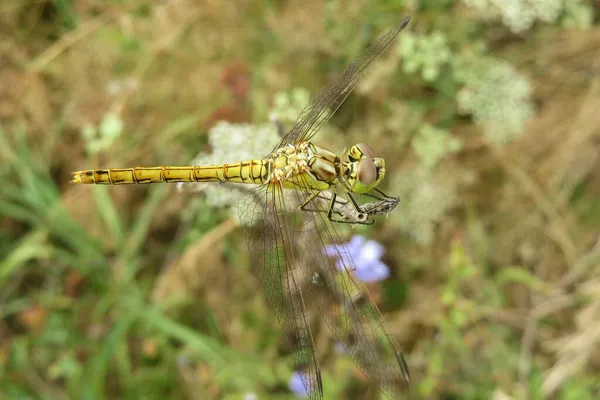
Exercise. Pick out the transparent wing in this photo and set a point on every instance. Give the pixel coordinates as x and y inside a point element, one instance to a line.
<point>269,230</point>
<point>326,103</point>
<point>345,306</point>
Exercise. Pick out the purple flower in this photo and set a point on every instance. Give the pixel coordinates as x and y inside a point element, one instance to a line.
<point>296,386</point>
<point>362,256</point>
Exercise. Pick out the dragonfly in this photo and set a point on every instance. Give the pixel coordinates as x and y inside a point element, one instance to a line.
<point>301,194</point>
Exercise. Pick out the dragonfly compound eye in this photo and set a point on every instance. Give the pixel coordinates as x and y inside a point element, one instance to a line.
<point>366,150</point>
<point>367,172</point>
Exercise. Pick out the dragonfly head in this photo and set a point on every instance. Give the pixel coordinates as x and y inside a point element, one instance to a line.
<point>364,170</point>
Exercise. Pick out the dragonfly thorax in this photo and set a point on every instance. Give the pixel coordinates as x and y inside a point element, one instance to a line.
<point>304,165</point>
<point>362,170</point>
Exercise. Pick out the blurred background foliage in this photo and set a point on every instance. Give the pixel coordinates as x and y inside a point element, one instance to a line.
<point>485,110</point>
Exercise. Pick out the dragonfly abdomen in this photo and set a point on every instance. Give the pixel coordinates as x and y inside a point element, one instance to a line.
<point>253,172</point>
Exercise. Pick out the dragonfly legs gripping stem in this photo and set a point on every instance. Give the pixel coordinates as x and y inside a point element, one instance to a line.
<point>346,210</point>
<point>355,215</point>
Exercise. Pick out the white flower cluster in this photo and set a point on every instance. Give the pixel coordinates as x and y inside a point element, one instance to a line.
<point>427,53</point>
<point>232,143</point>
<point>432,144</point>
<point>238,142</point>
<point>519,15</point>
<point>498,97</point>
<point>425,200</point>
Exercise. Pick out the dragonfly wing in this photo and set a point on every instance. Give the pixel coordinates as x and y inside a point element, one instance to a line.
<point>326,103</point>
<point>269,230</point>
<point>345,306</point>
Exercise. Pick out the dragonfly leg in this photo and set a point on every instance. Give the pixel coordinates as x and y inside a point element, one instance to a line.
<point>383,195</point>
<point>335,211</point>
<point>396,199</point>
<point>310,198</point>
<point>361,217</point>
<point>304,206</point>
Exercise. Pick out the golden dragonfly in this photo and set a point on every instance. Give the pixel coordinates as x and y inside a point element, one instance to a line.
<point>301,192</point>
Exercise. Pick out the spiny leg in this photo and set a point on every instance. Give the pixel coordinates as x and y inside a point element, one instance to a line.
<point>385,196</point>
<point>310,198</point>
<point>334,209</point>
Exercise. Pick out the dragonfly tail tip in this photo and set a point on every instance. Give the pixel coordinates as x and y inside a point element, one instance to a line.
<point>76,177</point>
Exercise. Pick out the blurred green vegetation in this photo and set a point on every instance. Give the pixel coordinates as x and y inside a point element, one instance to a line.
<point>486,113</point>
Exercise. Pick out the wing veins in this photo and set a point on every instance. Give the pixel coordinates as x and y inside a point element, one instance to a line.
<point>381,367</point>
<point>275,257</point>
<point>305,343</point>
<point>326,103</point>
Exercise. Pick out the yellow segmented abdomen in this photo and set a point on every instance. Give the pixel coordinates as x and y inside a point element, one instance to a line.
<point>253,172</point>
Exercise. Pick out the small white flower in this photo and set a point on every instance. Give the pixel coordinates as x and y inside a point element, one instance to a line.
<point>428,53</point>
<point>519,15</point>
<point>498,97</point>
